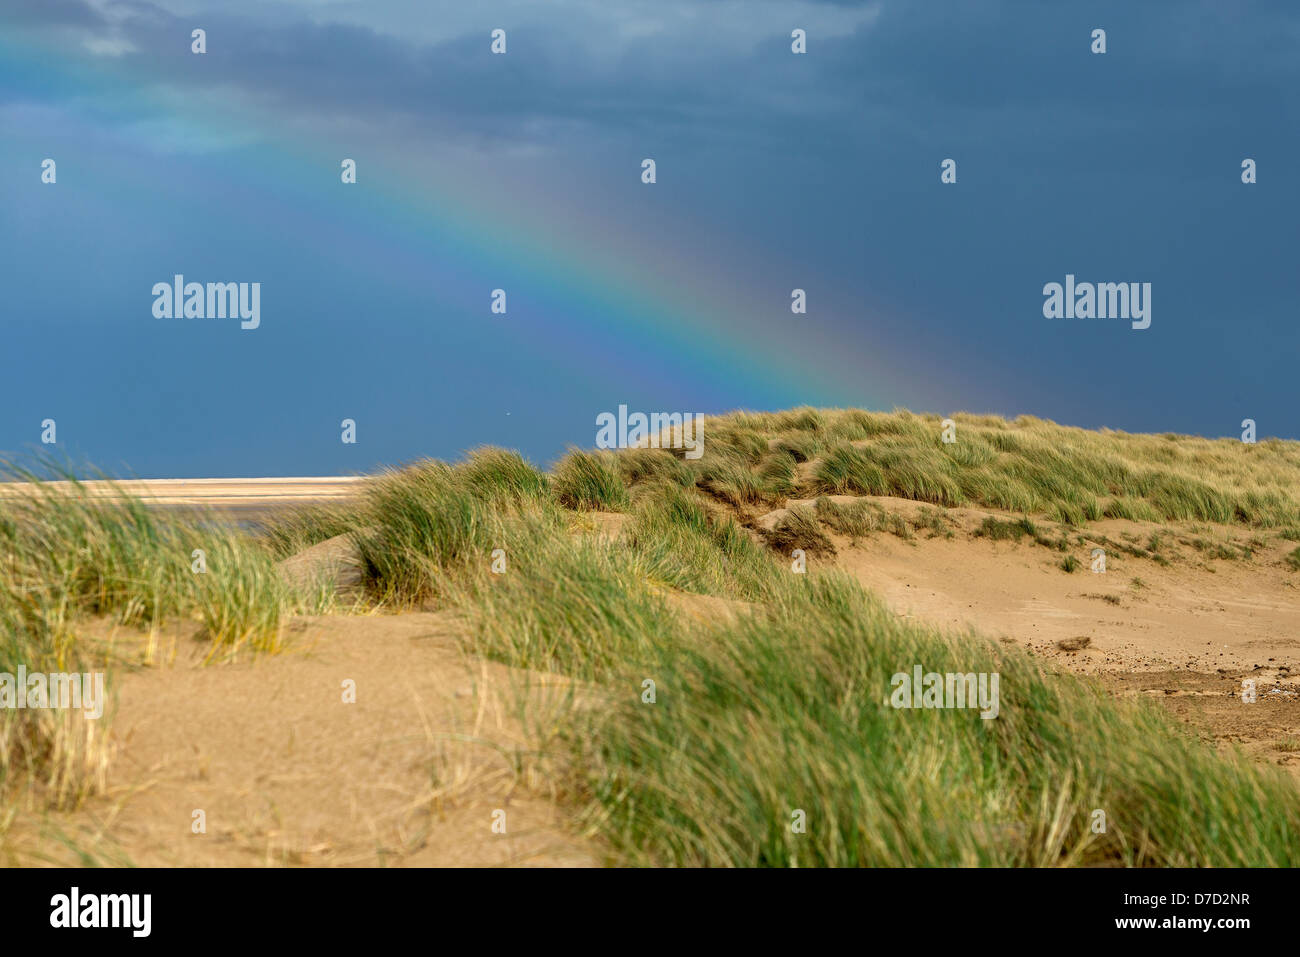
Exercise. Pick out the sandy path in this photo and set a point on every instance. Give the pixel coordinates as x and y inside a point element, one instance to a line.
<point>286,773</point>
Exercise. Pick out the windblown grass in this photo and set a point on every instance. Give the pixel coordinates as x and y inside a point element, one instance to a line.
<point>680,543</point>
<point>787,711</point>
<point>590,480</point>
<point>1027,465</point>
<point>427,522</point>
<point>67,555</point>
<point>800,530</point>
<point>574,606</point>
<point>300,528</point>
<point>859,519</point>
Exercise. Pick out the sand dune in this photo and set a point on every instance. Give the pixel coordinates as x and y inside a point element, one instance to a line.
<point>289,775</point>
<point>1188,613</point>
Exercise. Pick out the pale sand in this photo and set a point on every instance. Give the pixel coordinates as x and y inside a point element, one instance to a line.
<point>246,499</point>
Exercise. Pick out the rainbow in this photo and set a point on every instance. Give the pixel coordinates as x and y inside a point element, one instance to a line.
<point>604,296</point>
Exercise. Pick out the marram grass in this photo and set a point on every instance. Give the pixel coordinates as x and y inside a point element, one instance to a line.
<point>786,712</point>
<point>68,555</point>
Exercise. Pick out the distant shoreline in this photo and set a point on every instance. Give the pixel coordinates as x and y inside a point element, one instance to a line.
<point>247,498</point>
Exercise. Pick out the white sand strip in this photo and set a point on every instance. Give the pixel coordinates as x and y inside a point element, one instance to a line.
<point>259,492</point>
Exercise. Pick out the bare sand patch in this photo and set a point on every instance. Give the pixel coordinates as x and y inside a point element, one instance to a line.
<point>333,562</point>
<point>286,773</point>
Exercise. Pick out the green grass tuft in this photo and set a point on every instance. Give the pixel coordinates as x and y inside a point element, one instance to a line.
<point>590,481</point>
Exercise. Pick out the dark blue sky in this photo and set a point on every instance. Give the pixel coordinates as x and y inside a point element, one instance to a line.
<point>522,172</point>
